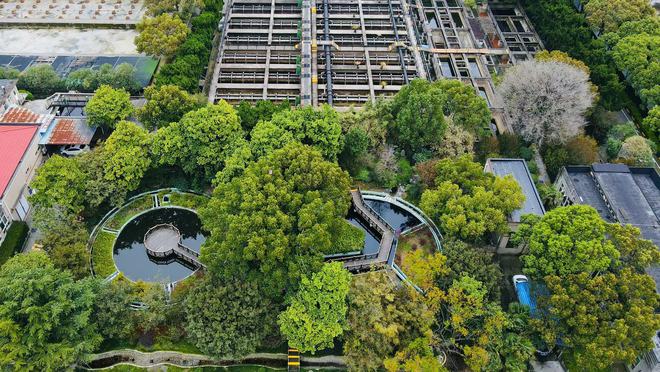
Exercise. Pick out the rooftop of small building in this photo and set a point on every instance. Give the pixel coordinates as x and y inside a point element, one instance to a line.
<point>15,139</point>
<point>69,131</point>
<point>517,168</point>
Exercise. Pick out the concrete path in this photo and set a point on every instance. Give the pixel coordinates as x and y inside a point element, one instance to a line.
<point>156,358</point>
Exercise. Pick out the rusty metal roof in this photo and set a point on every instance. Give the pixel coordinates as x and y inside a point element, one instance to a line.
<point>70,131</point>
<point>20,115</point>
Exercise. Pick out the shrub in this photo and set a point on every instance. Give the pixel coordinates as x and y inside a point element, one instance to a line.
<point>615,137</point>
<point>103,263</point>
<point>14,240</point>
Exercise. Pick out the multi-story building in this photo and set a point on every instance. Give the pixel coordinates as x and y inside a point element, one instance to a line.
<point>20,132</point>
<point>9,95</point>
<point>350,52</point>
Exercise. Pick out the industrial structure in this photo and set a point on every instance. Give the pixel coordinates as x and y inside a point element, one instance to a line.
<point>349,52</point>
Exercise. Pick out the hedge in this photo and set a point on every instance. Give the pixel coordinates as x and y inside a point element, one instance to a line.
<point>102,260</point>
<point>193,55</point>
<point>14,240</point>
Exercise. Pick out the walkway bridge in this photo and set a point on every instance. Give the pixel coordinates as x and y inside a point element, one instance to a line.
<point>387,241</point>
<point>164,241</point>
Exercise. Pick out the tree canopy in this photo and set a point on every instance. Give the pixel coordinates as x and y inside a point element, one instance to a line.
<point>467,202</point>
<point>160,36</point>
<point>40,80</point>
<point>565,241</point>
<point>276,221</point>
<point>201,142</point>
<point>608,15</point>
<point>46,316</point>
<point>59,184</point>
<point>601,319</point>
<point>108,106</point>
<point>166,104</point>
<point>383,319</point>
<point>317,313</point>
<point>553,114</point>
<point>315,127</point>
<point>126,159</point>
<point>228,318</point>
<point>637,151</point>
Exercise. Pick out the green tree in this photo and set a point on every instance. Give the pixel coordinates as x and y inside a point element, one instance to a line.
<point>59,183</point>
<point>65,240</point>
<point>582,150</point>
<point>467,202</point>
<point>277,220</point>
<point>637,151</point>
<point>417,356</point>
<point>565,241</point>
<point>317,313</point>
<point>601,319</point>
<point>227,319</point>
<point>114,316</point>
<point>464,259</point>
<point>418,117</point>
<point>652,121</point>
<point>184,8</point>
<point>382,319</point>
<point>160,36</point>
<point>46,316</point>
<point>201,142</point>
<point>488,338</point>
<point>315,127</point>
<point>261,111</point>
<point>107,107</point>
<point>608,15</point>
<point>166,104</point>
<point>9,73</point>
<point>88,79</point>
<point>634,251</point>
<point>126,159</point>
<point>637,56</point>
<point>616,135</point>
<point>40,80</point>
<point>464,106</point>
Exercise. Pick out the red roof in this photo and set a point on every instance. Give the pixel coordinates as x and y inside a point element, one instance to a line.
<point>20,115</point>
<point>14,141</point>
<point>70,132</point>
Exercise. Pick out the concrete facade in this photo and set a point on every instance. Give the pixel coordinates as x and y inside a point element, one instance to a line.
<point>13,201</point>
<point>9,96</point>
<point>350,52</point>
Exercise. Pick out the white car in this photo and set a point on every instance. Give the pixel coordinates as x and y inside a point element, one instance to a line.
<point>73,150</point>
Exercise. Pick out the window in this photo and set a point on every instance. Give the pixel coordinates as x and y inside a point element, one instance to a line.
<point>474,68</point>
<point>4,220</point>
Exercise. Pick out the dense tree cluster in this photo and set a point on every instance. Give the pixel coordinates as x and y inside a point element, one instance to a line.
<point>590,277</point>
<point>469,203</point>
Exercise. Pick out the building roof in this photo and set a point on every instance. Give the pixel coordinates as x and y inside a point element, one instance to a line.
<point>14,142</point>
<point>6,87</point>
<point>517,168</point>
<point>69,131</point>
<point>622,194</point>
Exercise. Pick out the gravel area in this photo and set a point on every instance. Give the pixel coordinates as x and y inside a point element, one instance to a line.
<point>67,41</point>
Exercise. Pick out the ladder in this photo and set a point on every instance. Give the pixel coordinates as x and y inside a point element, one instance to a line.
<point>293,364</point>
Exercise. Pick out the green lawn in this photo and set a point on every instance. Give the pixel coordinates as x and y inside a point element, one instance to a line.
<point>14,240</point>
<point>128,211</point>
<point>102,260</point>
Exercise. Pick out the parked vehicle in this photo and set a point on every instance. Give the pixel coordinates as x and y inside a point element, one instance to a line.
<point>73,150</point>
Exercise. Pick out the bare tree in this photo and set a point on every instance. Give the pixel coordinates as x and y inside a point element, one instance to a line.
<point>545,102</point>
